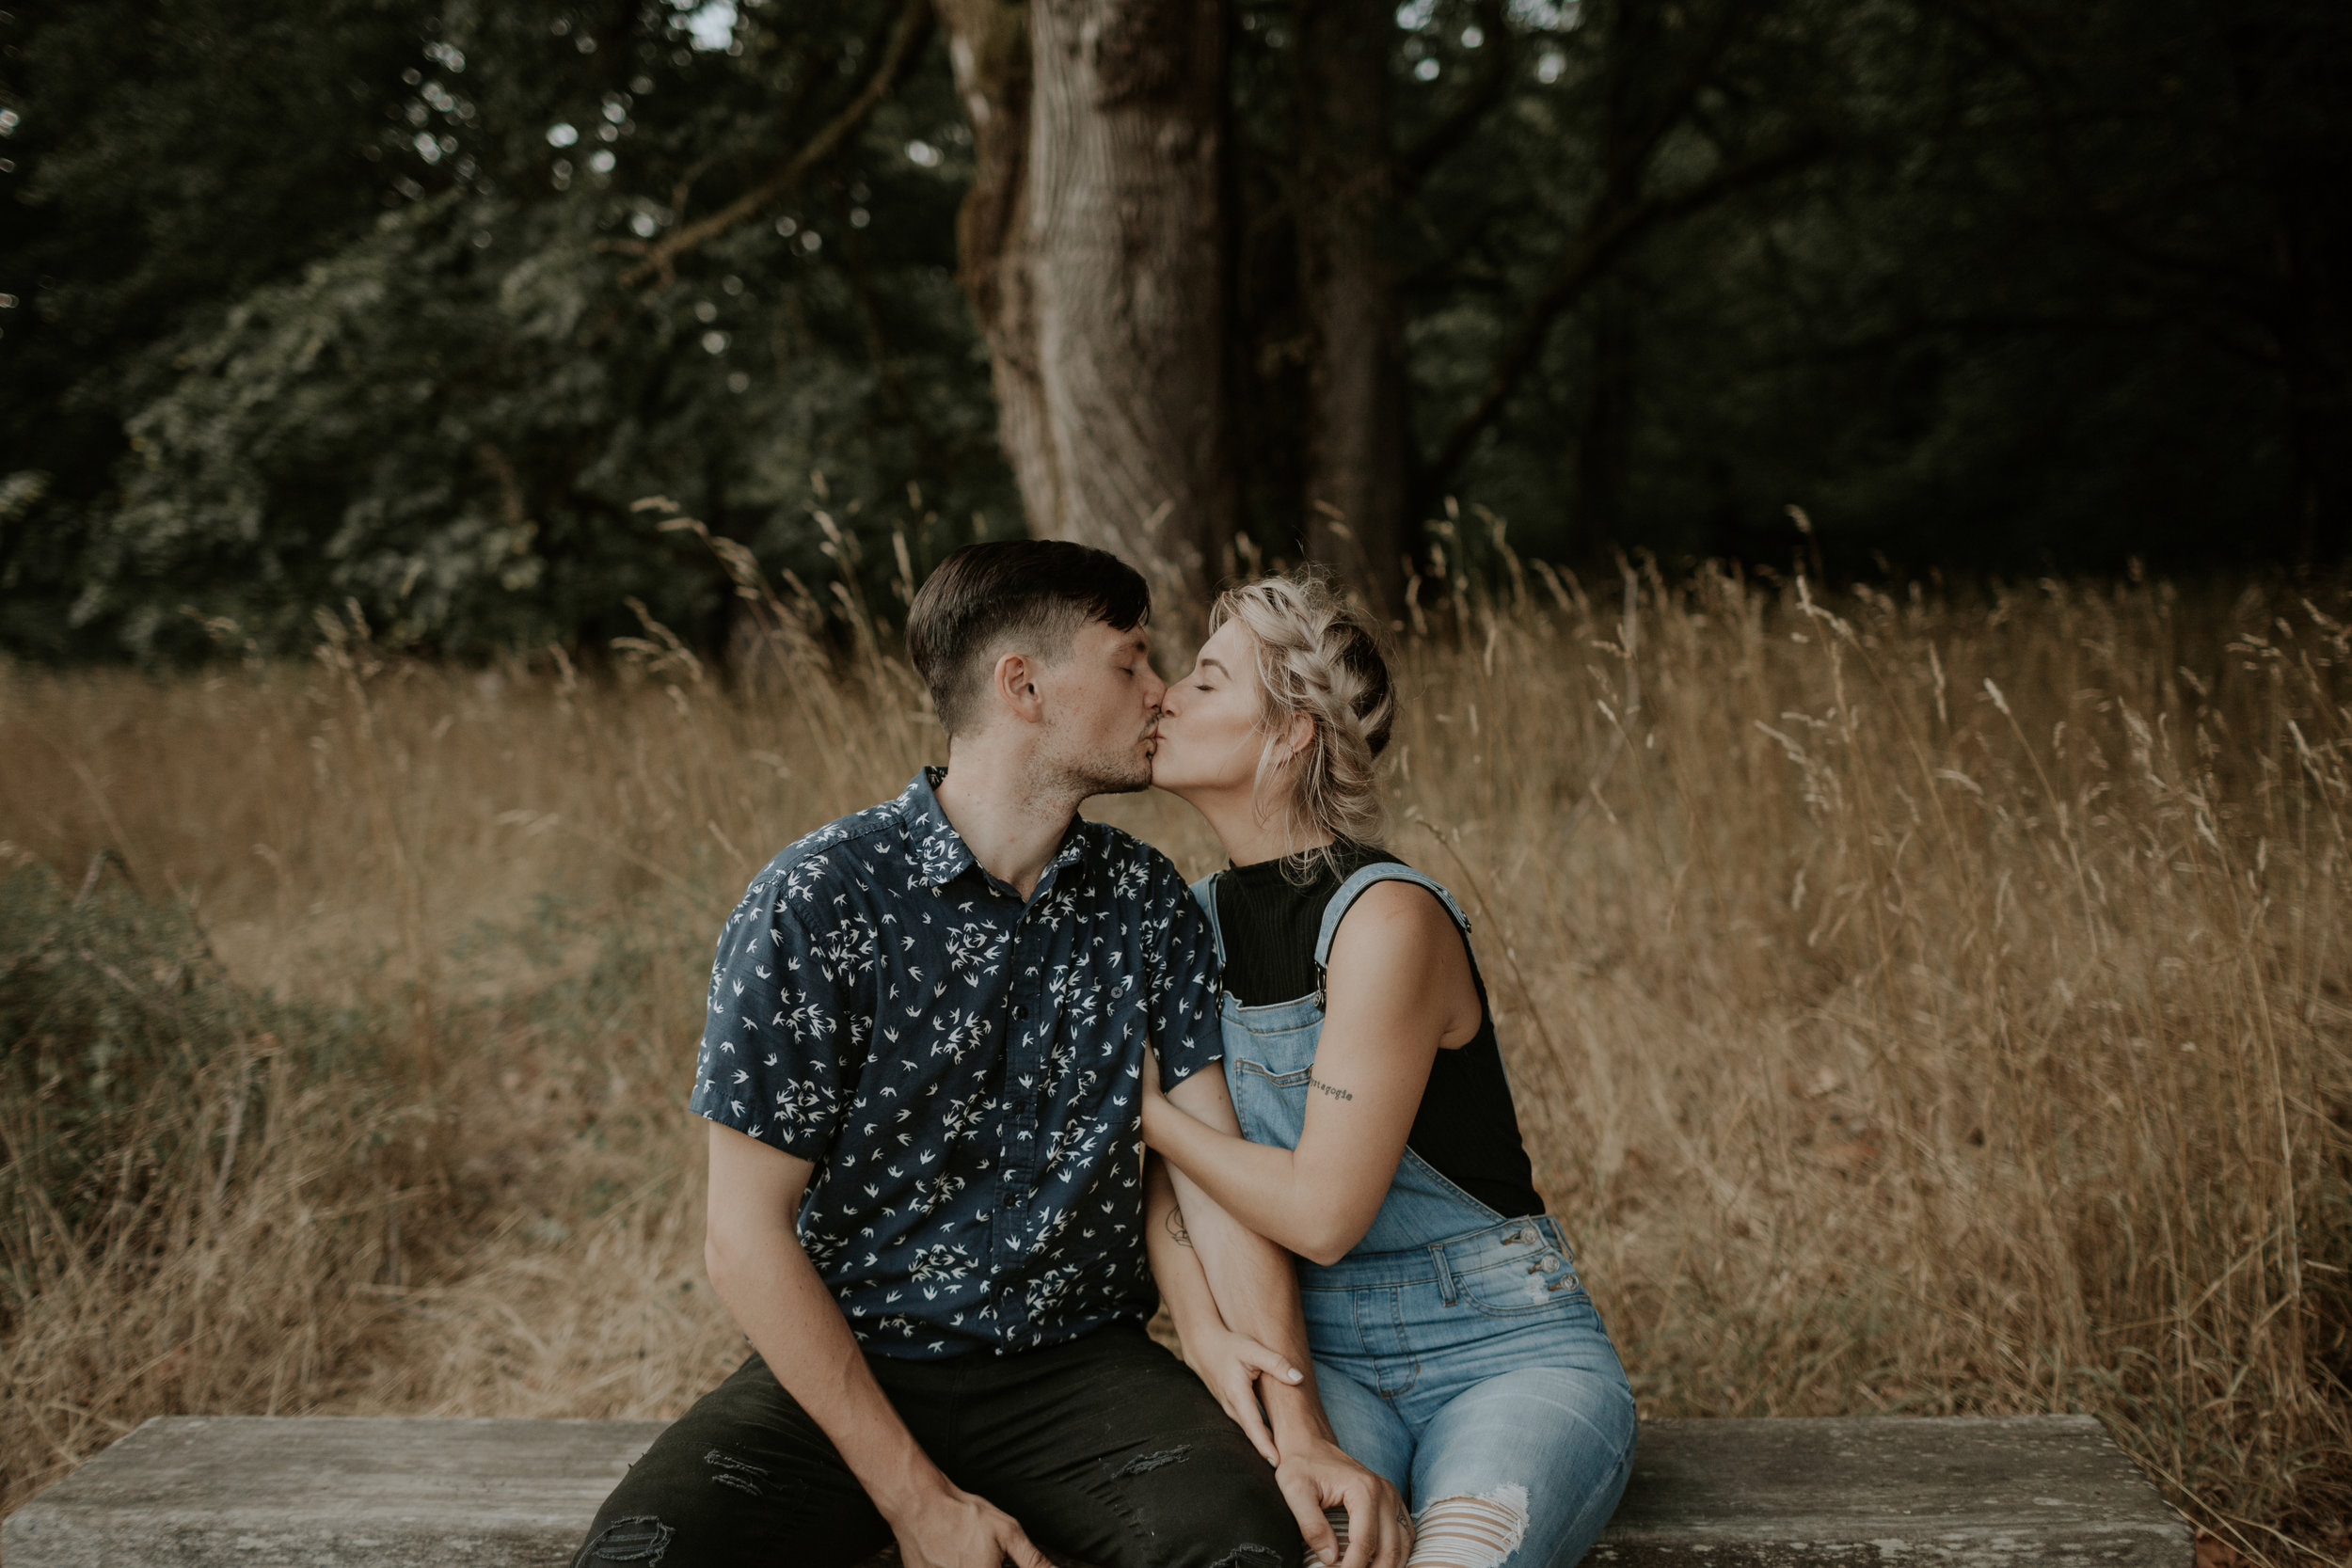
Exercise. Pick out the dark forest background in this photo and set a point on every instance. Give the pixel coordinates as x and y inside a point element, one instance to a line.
<point>403,304</point>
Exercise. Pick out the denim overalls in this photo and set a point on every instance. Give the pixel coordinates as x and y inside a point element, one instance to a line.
<point>1456,1352</point>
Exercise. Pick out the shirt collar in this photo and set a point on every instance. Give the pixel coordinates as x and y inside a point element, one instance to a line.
<point>940,853</point>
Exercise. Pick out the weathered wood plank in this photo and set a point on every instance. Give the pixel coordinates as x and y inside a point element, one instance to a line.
<point>328,1492</point>
<point>1967,1493</point>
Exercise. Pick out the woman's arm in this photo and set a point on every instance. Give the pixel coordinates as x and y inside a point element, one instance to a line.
<point>1399,987</point>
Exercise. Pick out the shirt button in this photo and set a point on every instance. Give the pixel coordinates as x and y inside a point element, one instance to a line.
<point>1020,1012</point>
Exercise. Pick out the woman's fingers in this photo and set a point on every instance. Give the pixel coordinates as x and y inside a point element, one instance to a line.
<point>1266,1360</point>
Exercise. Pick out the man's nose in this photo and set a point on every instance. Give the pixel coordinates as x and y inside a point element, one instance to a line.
<point>1154,689</point>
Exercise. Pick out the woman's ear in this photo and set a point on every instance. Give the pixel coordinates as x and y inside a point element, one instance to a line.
<point>1302,734</point>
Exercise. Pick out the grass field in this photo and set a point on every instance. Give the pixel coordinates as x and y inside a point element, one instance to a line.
<point>1916,1005</point>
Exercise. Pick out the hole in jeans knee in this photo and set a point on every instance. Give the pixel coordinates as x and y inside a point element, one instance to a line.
<point>728,1470</point>
<point>1249,1555</point>
<point>1176,1455</point>
<point>1470,1532</point>
<point>639,1538</point>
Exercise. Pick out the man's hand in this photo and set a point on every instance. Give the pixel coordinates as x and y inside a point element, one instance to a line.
<point>1256,1296</point>
<point>1319,1475</point>
<point>1230,1365</point>
<point>765,1279</point>
<point>952,1529</point>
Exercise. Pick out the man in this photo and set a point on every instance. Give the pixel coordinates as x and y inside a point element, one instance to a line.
<point>926,1027</point>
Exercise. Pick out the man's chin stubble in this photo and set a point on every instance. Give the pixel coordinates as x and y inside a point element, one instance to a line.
<point>1128,783</point>
<point>1102,778</point>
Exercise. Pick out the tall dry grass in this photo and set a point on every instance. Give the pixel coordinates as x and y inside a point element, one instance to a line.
<point>1917,1003</point>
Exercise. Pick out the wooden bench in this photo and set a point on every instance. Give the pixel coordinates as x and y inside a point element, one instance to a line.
<point>352,1491</point>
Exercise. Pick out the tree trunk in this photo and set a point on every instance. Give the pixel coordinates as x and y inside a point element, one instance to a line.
<point>1356,481</point>
<point>1091,248</point>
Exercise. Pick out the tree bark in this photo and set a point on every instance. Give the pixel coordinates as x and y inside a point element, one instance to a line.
<point>1091,248</point>
<point>1356,480</point>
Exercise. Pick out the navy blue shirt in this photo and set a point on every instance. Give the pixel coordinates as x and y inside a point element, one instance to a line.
<point>961,1067</point>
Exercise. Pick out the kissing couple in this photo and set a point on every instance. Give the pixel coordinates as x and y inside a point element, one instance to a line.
<point>985,1081</point>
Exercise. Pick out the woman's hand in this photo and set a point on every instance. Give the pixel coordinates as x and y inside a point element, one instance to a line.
<point>1230,1363</point>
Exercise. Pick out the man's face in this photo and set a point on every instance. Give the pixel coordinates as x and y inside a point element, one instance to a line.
<point>1102,700</point>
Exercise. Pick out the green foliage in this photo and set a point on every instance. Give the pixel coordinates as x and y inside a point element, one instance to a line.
<point>412,425</point>
<point>339,303</point>
<point>161,161</point>
<point>445,417</point>
<point>115,1020</point>
<point>2010,300</point>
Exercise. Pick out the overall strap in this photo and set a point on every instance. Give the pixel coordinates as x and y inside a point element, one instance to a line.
<point>1204,893</point>
<point>1353,888</point>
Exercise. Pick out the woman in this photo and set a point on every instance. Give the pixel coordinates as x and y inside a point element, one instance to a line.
<point>1454,1349</point>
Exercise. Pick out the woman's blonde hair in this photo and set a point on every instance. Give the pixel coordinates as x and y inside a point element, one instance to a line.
<point>1320,657</point>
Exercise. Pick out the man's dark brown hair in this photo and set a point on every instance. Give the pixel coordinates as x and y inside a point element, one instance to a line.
<point>1038,592</point>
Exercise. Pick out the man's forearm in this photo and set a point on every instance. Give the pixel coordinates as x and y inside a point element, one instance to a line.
<point>777,1298</point>
<point>1175,1265</point>
<point>1255,1283</point>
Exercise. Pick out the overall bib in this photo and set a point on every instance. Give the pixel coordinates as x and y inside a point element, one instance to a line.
<point>1456,1351</point>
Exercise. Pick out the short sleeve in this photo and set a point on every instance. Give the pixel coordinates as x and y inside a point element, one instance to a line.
<point>785,1028</point>
<point>1183,995</point>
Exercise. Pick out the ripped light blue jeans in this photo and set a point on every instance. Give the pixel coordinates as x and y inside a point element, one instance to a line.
<point>1477,1370</point>
<point>1456,1351</point>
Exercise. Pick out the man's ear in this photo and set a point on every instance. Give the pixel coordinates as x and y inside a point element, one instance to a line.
<point>1014,683</point>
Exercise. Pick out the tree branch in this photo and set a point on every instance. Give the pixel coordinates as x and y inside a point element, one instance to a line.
<point>1494,86</point>
<point>906,41</point>
<point>1606,236</point>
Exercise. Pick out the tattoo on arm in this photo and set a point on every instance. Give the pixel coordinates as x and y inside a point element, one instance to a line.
<point>1326,1088</point>
<point>1176,1227</point>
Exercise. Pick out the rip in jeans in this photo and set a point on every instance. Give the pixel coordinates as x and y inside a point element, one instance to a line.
<point>639,1538</point>
<point>1176,1455</point>
<point>733,1472</point>
<point>1460,1533</point>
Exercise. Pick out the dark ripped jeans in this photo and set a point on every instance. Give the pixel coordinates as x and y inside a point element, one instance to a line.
<point>1105,1448</point>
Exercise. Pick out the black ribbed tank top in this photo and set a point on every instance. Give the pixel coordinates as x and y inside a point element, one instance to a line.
<point>1466,1129</point>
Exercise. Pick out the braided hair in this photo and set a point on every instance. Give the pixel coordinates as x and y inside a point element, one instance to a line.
<point>1319,655</point>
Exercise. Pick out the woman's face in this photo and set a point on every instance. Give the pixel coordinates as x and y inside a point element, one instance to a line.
<point>1208,734</point>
